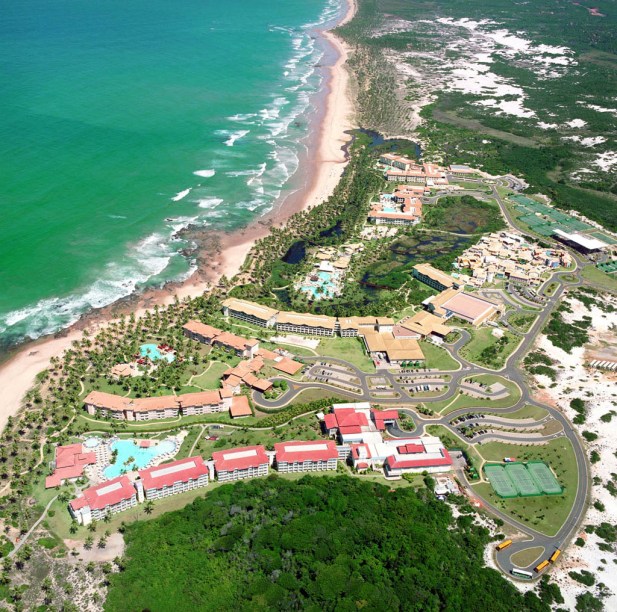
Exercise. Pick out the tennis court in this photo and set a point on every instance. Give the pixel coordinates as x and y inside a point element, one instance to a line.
<point>608,267</point>
<point>543,476</point>
<point>500,482</point>
<point>603,237</point>
<point>522,480</point>
<point>543,219</point>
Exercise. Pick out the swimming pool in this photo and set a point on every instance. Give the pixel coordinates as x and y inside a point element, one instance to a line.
<point>141,456</point>
<point>325,287</point>
<point>153,352</point>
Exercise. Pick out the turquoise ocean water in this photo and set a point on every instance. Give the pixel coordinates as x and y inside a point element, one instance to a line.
<point>125,121</point>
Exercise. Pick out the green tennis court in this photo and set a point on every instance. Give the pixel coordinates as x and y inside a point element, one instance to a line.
<point>604,237</point>
<point>500,482</point>
<point>543,476</point>
<point>522,480</point>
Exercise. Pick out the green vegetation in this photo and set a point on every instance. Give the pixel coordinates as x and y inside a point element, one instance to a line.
<point>463,131</point>
<point>567,336</point>
<point>438,358</point>
<point>545,514</point>
<point>522,321</point>
<point>349,349</point>
<point>541,364</point>
<point>526,557</point>
<point>578,405</point>
<point>275,544</point>
<point>596,277</point>
<point>465,215</point>
<point>584,577</point>
<point>487,350</point>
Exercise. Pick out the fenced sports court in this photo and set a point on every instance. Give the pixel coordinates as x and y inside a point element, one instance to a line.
<point>546,480</point>
<point>543,219</point>
<point>522,480</point>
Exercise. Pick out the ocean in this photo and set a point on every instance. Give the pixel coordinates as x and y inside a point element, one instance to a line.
<point>124,122</point>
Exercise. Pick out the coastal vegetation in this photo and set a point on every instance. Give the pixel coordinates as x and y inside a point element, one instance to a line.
<point>455,127</point>
<point>318,542</point>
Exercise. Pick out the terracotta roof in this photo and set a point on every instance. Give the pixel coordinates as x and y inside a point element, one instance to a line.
<point>201,398</point>
<point>239,458</point>
<point>394,462</point>
<point>105,494</point>
<point>299,452</point>
<point>70,463</point>
<point>202,329</point>
<point>289,366</point>
<point>240,407</point>
<point>250,308</point>
<point>166,475</point>
<point>100,399</point>
<point>237,342</point>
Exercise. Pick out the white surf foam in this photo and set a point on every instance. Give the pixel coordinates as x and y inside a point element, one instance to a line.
<point>209,202</point>
<point>205,173</point>
<point>232,136</point>
<point>181,194</point>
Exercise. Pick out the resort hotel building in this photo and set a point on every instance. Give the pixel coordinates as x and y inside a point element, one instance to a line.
<point>106,498</point>
<point>172,478</point>
<point>249,312</point>
<point>309,456</point>
<point>69,464</point>
<point>164,407</point>
<point>239,463</point>
<point>206,334</point>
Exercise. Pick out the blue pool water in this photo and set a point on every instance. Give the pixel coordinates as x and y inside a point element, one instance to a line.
<point>141,456</point>
<point>152,351</point>
<point>326,283</point>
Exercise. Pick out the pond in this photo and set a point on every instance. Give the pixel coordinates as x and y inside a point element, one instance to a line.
<point>296,253</point>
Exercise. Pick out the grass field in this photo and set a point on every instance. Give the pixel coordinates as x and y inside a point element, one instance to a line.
<point>438,358</point>
<point>522,321</point>
<point>526,412</point>
<point>349,349</point>
<point>600,279</point>
<point>545,514</point>
<point>486,350</point>
<point>526,557</point>
<point>211,377</point>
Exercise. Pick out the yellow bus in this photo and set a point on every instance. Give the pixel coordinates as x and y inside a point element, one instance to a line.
<point>504,544</point>
<point>555,556</point>
<point>541,566</point>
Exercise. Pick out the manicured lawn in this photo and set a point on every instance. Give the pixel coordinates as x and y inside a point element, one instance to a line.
<point>438,358</point>
<point>546,513</point>
<point>526,412</point>
<point>211,377</point>
<point>349,349</point>
<point>528,556</point>
<point>599,278</point>
<point>451,441</point>
<point>486,350</point>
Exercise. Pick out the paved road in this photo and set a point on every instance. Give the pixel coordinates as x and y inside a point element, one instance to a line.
<point>510,371</point>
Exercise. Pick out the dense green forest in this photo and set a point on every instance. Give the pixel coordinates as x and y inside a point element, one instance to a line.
<point>319,543</point>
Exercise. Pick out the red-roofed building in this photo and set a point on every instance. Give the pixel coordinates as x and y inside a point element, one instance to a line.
<point>172,478</point>
<point>240,407</point>
<point>382,418</point>
<point>237,463</point>
<point>288,366</point>
<point>396,465</point>
<point>307,456</point>
<point>348,421</point>
<point>106,498</point>
<point>69,464</point>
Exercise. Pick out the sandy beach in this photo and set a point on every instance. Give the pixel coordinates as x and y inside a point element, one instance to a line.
<point>326,164</point>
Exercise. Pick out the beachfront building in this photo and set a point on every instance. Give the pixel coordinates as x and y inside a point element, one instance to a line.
<point>253,313</point>
<point>391,160</point>
<point>433,277</point>
<point>108,497</point>
<point>308,324</point>
<point>206,334</point>
<point>240,463</point>
<point>69,464</point>
<point>306,456</point>
<point>113,406</point>
<point>172,478</point>
<point>402,207</point>
<point>465,306</point>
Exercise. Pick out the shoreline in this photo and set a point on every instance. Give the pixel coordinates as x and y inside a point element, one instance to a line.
<point>325,162</point>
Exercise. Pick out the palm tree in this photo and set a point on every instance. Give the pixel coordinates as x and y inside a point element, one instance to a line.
<point>149,507</point>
